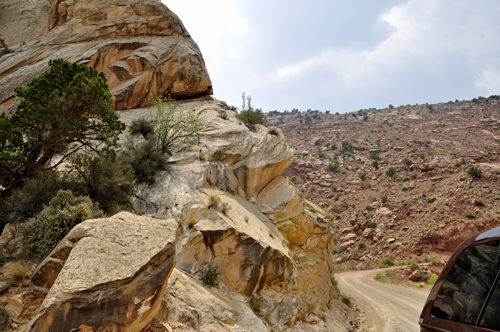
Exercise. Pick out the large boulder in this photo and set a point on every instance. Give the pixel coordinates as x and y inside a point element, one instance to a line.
<point>141,46</point>
<point>114,276</point>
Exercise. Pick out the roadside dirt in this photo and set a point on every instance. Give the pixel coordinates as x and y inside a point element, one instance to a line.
<point>387,307</point>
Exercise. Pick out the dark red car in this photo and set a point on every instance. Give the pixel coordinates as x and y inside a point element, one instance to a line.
<point>466,296</point>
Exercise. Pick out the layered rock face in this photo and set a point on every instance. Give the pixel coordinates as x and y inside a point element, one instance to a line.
<point>270,245</point>
<point>112,276</point>
<point>141,45</point>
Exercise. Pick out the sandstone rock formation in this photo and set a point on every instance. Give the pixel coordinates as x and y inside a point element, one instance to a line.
<point>10,243</point>
<point>141,45</point>
<point>270,245</point>
<point>115,271</point>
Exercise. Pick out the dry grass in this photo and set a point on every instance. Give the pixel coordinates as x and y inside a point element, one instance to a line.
<point>191,220</point>
<point>213,201</point>
<point>16,271</point>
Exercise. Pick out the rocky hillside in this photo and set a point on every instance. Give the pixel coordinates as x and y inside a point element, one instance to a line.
<point>395,181</point>
<point>141,45</point>
<point>221,240</point>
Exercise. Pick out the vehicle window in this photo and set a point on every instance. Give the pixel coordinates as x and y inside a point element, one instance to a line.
<point>466,287</point>
<point>491,318</point>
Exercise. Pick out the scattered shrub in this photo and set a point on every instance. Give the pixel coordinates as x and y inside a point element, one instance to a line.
<point>367,264</point>
<point>435,261</point>
<point>431,200</point>
<point>404,188</point>
<point>384,199</point>
<point>106,182</point>
<point>387,260</point>
<point>346,301</point>
<point>369,208</point>
<point>210,276</point>
<point>302,176</point>
<point>361,245</point>
<point>43,233</point>
<point>393,246</point>
<point>479,202</point>
<point>141,126</point>
<point>293,178</point>
<point>274,131</point>
<point>432,280</point>
<point>369,215</point>
<point>475,172</point>
<point>374,156</point>
<point>375,164</point>
<point>469,214</point>
<point>407,161</point>
<point>362,175</point>
<point>380,278</point>
<point>343,258</point>
<point>353,222</point>
<point>390,171</point>
<point>406,178</point>
<point>256,304</point>
<point>144,159</point>
<point>213,201</point>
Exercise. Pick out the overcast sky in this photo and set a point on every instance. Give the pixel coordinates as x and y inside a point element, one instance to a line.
<point>343,56</point>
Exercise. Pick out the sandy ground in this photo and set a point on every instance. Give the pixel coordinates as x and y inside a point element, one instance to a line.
<point>388,307</point>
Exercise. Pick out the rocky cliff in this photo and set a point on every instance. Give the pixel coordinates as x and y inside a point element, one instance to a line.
<point>141,45</point>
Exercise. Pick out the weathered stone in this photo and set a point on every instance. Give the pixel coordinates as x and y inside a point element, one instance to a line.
<point>368,232</point>
<point>141,46</point>
<point>415,276</point>
<point>15,306</point>
<point>114,277</point>
<point>188,305</point>
<point>349,237</point>
<point>10,243</point>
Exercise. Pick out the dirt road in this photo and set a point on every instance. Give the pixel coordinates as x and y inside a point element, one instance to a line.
<point>388,307</point>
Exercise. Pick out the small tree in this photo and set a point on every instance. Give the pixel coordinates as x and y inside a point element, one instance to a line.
<point>63,111</point>
<point>172,125</point>
<point>407,161</point>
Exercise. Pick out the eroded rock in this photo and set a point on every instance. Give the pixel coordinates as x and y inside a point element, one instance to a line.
<point>141,46</point>
<point>114,277</point>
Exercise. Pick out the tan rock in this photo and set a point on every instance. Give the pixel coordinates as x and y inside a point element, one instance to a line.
<point>415,276</point>
<point>187,305</point>
<point>114,276</point>
<point>141,45</point>
<point>15,306</point>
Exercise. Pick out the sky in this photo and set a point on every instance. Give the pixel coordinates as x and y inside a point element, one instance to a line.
<point>344,56</point>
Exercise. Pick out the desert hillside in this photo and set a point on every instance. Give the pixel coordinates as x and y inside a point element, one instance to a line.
<point>396,181</point>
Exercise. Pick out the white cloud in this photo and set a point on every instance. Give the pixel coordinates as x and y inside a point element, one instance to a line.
<point>431,41</point>
<point>429,51</point>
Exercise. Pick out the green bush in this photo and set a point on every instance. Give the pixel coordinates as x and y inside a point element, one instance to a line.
<point>353,222</point>
<point>390,171</point>
<point>393,246</point>
<point>404,188</point>
<point>31,198</point>
<point>407,161</point>
<point>380,278</point>
<point>346,301</point>
<point>479,202</point>
<point>250,116</point>
<point>106,182</point>
<point>475,172</point>
<point>432,280</point>
<point>42,233</point>
<point>406,178</point>
<point>431,200</point>
<point>333,167</point>
<point>384,199</point>
<point>375,164</point>
<point>144,159</point>
<point>374,156</point>
<point>361,245</point>
<point>387,260</point>
<point>210,276</point>
<point>362,176</point>
<point>469,214</point>
<point>293,178</point>
<point>171,125</point>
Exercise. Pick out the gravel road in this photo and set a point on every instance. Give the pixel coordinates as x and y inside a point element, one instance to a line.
<point>388,307</point>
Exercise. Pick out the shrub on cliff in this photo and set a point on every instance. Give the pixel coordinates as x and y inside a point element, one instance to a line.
<point>144,159</point>
<point>172,125</point>
<point>251,116</point>
<point>42,233</point>
<point>65,110</point>
<point>105,181</point>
